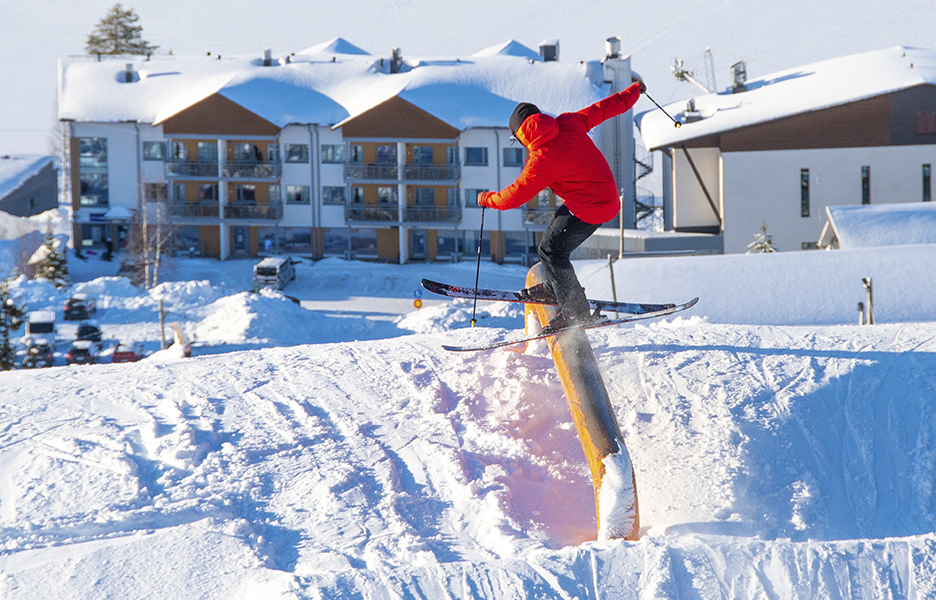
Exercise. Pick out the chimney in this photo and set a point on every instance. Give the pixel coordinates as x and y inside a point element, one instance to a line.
<point>613,47</point>
<point>739,77</point>
<point>128,73</point>
<point>549,50</point>
<point>267,57</point>
<point>396,60</point>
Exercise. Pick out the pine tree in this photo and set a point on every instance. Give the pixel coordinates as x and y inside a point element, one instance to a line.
<point>118,33</point>
<point>53,266</point>
<point>762,242</point>
<point>11,317</point>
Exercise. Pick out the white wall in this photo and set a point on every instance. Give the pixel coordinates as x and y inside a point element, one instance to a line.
<point>691,208</point>
<point>765,186</point>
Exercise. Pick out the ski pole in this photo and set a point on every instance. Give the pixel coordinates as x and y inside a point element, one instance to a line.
<point>478,271</point>
<point>676,123</point>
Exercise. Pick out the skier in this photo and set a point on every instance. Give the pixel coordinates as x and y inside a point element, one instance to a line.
<point>563,157</point>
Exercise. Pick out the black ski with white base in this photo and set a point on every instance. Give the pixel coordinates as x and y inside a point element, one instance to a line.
<point>670,309</point>
<point>457,291</point>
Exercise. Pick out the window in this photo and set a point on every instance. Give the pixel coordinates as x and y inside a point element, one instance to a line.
<point>927,183</point>
<point>154,151</point>
<point>422,155</point>
<point>335,240</point>
<point>297,194</point>
<point>297,153</point>
<point>273,152</point>
<point>332,153</point>
<point>92,152</point>
<point>476,156</point>
<point>207,152</point>
<point>178,151</point>
<point>386,195</point>
<point>804,192</point>
<point>247,152</point>
<point>357,195</point>
<point>866,185</point>
<point>471,197</point>
<point>178,191</point>
<point>94,190</point>
<point>386,154</point>
<point>207,192</point>
<point>449,242</point>
<point>363,241</point>
<point>513,157</point>
<point>424,196</point>
<point>355,153</point>
<point>246,194</point>
<point>333,196</point>
<point>155,192</point>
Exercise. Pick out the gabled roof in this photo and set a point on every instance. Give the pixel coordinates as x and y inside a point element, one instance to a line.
<point>325,87</point>
<point>864,226</point>
<point>790,92</point>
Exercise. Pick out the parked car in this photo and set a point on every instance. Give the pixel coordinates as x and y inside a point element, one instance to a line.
<point>80,307</point>
<point>38,354</point>
<point>274,272</point>
<point>124,353</point>
<point>82,352</point>
<point>89,330</point>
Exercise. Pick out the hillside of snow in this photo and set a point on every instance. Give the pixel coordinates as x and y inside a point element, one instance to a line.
<point>332,449</point>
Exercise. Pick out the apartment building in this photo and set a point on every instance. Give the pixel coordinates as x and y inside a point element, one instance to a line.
<point>330,151</point>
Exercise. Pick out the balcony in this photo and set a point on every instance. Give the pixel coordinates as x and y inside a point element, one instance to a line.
<point>432,214</point>
<point>252,169</point>
<point>390,213</point>
<point>191,168</point>
<point>391,172</point>
<point>536,215</point>
<point>266,212</point>
<point>193,210</point>
<point>372,213</point>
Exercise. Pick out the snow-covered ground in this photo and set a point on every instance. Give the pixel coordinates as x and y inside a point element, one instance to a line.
<point>333,450</point>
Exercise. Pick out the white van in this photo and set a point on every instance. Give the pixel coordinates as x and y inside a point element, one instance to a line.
<point>40,327</point>
<point>274,272</point>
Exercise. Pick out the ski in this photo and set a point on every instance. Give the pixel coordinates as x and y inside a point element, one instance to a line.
<point>457,291</point>
<point>670,309</point>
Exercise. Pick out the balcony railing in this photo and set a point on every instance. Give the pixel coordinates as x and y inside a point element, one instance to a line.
<point>535,215</point>
<point>432,214</point>
<point>237,169</point>
<point>389,213</point>
<point>191,168</point>
<point>391,172</point>
<point>413,172</point>
<point>379,213</point>
<point>361,171</point>
<point>272,211</point>
<point>252,169</point>
<point>194,210</point>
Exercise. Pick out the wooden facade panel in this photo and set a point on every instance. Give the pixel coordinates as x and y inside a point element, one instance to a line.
<point>398,119</point>
<point>216,115</point>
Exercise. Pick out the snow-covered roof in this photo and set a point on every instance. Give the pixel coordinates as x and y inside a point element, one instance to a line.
<point>17,170</point>
<point>327,84</point>
<point>865,226</point>
<point>793,91</point>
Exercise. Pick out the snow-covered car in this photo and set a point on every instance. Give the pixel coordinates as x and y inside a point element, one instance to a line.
<point>82,352</point>
<point>38,354</point>
<point>89,330</point>
<point>79,307</point>
<point>124,353</point>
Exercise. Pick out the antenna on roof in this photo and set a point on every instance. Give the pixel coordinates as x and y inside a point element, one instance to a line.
<point>739,77</point>
<point>681,73</point>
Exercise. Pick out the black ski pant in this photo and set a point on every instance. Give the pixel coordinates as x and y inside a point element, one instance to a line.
<point>565,233</point>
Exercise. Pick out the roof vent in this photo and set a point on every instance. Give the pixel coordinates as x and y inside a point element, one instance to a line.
<point>396,60</point>
<point>267,57</point>
<point>613,47</point>
<point>128,75</point>
<point>739,77</point>
<point>549,50</point>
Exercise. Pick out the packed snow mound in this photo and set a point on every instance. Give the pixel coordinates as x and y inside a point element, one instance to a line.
<point>457,315</point>
<point>767,458</point>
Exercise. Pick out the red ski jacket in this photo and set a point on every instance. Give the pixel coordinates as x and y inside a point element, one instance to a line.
<point>563,157</point>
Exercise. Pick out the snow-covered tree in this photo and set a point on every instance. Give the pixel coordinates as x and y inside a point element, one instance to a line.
<point>762,242</point>
<point>11,317</point>
<point>52,265</point>
<point>118,33</point>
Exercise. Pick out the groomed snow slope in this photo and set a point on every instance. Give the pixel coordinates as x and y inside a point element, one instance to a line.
<point>771,462</point>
